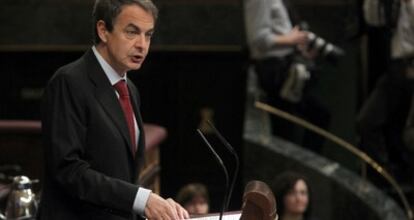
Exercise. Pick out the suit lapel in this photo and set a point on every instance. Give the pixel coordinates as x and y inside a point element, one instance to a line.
<point>106,96</point>
<point>134,101</point>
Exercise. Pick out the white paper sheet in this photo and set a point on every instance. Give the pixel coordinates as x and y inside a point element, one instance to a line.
<point>216,217</point>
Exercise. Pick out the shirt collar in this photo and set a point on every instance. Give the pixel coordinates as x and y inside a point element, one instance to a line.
<point>112,75</point>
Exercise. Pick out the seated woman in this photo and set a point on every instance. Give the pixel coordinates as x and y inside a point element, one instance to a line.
<point>194,198</point>
<point>292,196</point>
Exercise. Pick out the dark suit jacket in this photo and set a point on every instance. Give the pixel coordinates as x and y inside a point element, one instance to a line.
<point>90,169</point>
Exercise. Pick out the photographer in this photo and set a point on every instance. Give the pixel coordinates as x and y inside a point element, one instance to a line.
<point>274,42</point>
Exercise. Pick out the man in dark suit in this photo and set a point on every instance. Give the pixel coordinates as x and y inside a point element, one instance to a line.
<point>92,126</point>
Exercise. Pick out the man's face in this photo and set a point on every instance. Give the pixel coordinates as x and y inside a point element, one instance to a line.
<point>128,43</point>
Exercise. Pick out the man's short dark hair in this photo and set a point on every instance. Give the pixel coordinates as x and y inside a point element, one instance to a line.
<point>108,11</point>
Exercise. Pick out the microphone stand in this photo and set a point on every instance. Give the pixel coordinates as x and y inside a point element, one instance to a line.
<point>233,152</point>
<point>226,173</point>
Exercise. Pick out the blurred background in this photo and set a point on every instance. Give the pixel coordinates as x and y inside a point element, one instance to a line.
<point>198,69</point>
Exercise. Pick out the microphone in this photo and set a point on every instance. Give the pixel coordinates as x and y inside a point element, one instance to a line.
<point>226,173</point>
<point>233,152</point>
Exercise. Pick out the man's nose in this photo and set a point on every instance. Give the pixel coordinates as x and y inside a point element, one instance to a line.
<point>141,41</point>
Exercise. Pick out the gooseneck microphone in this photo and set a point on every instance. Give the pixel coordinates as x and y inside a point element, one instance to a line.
<point>226,173</point>
<point>236,157</point>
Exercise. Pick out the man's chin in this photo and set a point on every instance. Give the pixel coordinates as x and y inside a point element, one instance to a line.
<point>135,66</point>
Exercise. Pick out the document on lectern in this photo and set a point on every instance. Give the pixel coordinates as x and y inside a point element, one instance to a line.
<point>234,216</point>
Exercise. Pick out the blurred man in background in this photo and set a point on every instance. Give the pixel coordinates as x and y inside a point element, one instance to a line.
<point>384,115</point>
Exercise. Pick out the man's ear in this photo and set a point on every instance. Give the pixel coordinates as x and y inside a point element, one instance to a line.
<point>101,30</point>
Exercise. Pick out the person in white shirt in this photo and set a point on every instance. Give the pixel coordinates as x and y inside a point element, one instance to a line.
<point>273,41</point>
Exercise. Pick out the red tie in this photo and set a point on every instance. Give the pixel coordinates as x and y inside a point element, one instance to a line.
<point>122,89</point>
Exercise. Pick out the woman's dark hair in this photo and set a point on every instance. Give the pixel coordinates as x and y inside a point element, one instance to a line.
<point>283,184</point>
<point>108,11</point>
<point>190,191</point>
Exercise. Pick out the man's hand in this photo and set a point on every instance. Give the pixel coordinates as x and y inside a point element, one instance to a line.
<point>297,36</point>
<point>293,38</point>
<point>165,209</point>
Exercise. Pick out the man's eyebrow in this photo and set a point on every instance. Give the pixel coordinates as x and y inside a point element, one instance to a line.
<point>133,26</point>
<point>139,29</point>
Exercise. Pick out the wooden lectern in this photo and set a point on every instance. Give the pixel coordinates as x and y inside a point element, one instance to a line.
<point>259,203</point>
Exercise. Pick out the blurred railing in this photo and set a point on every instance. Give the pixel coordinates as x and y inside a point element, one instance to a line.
<point>345,145</point>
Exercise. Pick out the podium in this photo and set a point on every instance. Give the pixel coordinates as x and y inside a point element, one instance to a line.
<point>259,203</point>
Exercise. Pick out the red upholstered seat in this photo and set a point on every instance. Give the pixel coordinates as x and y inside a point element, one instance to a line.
<point>21,138</point>
<point>149,175</point>
<point>20,126</point>
<point>154,135</point>
<point>21,145</point>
